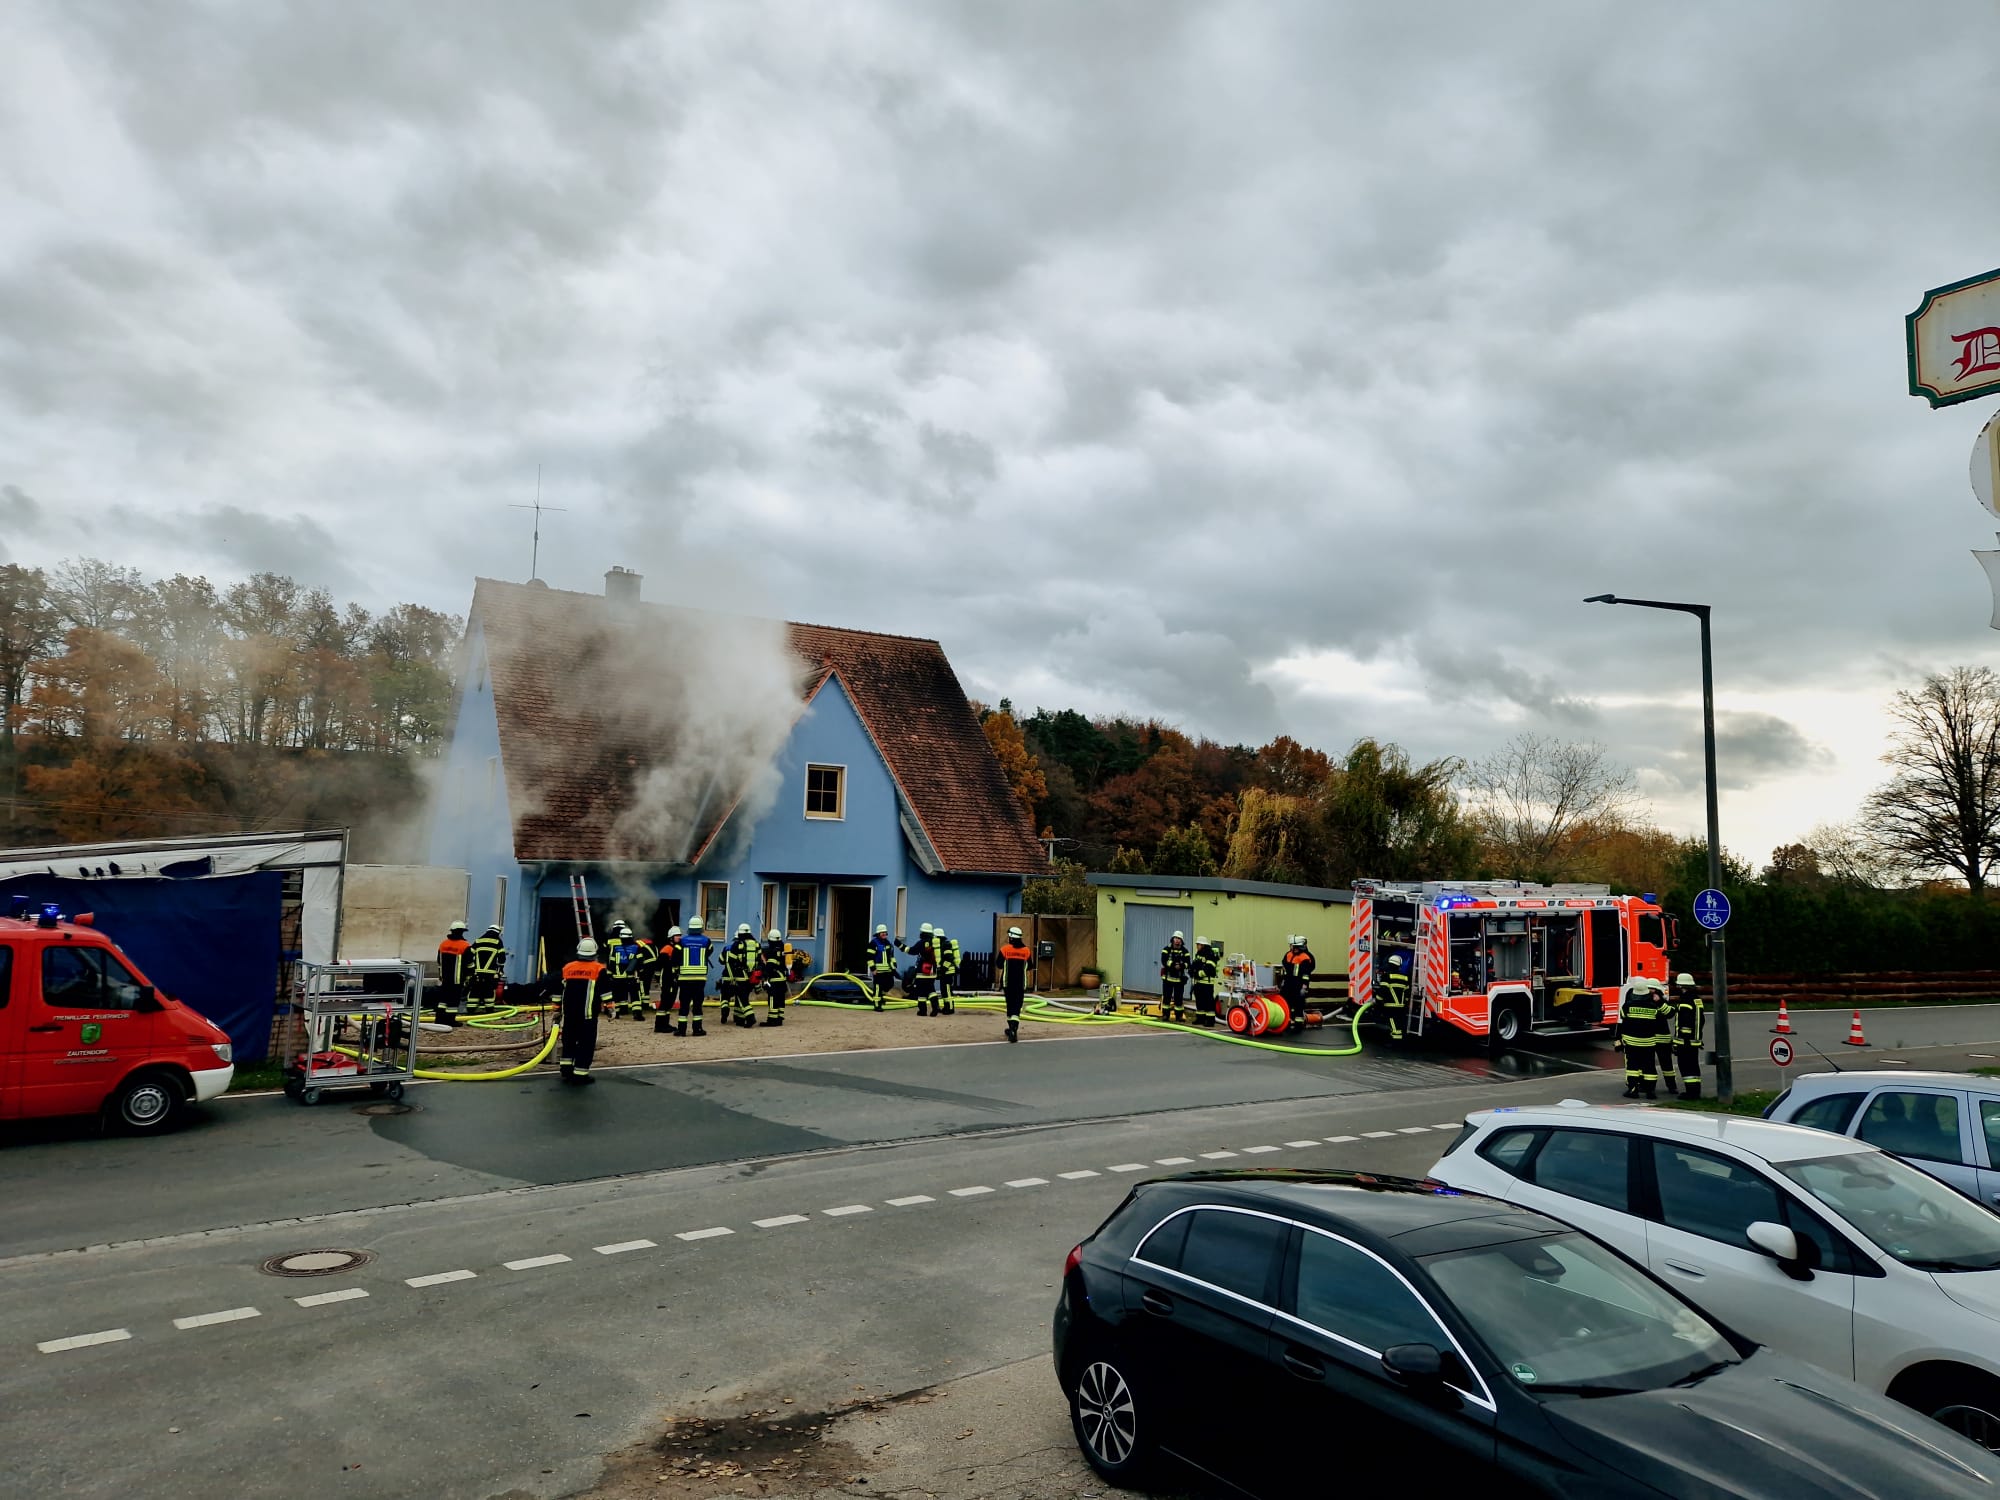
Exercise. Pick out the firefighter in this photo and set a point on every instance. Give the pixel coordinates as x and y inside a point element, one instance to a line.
<point>1395,986</point>
<point>923,973</point>
<point>696,951</point>
<point>583,980</point>
<point>1017,962</point>
<point>668,961</point>
<point>1286,972</point>
<point>452,973</point>
<point>1640,1037</point>
<point>622,960</point>
<point>948,957</point>
<point>649,970</point>
<point>485,960</point>
<point>774,969</point>
<point>739,957</point>
<point>1174,959</point>
<point>1688,1027</point>
<point>1204,971</point>
<point>882,963</point>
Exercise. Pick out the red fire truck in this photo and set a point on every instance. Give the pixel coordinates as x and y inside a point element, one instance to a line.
<point>1500,959</point>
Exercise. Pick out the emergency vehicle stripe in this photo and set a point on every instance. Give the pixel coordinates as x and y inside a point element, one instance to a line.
<point>1360,965</point>
<point>1436,955</point>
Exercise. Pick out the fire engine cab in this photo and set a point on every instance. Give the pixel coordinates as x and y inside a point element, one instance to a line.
<point>1500,959</point>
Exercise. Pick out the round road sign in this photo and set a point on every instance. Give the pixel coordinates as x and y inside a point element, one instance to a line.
<point>1711,909</point>
<point>1781,1052</point>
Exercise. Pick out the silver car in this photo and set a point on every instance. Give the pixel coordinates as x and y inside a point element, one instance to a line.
<point>1946,1124</point>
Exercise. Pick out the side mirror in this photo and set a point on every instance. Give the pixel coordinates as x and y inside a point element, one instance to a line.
<point>1415,1364</point>
<point>149,998</point>
<point>1781,1244</point>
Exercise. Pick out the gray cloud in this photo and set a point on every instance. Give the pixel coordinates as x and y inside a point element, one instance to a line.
<point>1128,348</point>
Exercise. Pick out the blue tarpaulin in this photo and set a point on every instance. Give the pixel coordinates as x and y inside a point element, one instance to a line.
<point>210,943</point>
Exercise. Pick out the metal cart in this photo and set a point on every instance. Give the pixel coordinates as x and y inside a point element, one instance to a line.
<point>357,1027</point>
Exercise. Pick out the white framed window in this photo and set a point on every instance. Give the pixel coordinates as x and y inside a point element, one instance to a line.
<point>715,906</point>
<point>801,911</point>
<point>499,900</point>
<point>770,908</point>
<point>826,792</point>
<point>902,911</point>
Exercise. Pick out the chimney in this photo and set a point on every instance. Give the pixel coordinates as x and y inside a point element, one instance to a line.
<point>621,585</point>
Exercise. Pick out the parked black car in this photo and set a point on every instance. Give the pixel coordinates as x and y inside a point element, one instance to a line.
<point>1271,1328</point>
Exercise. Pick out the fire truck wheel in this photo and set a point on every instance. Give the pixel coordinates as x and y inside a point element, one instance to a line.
<point>147,1102</point>
<point>1510,1026</point>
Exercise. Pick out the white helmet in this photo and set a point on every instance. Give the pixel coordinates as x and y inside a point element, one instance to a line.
<point>937,932</point>
<point>1013,932</point>
<point>694,924</point>
<point>1201,942</point>
<point>457,927</point>
<point>674,932</point>
<point>881,929</point>
<point>742,929</point>
<point>926,929</point>
<point>775,935</point>
<point>1684,980</point>
<point>587,948</point>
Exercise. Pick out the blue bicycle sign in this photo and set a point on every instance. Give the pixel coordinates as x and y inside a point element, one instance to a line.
<point>1711,909</point>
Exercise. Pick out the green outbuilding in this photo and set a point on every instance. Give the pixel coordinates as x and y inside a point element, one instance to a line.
<point>1137,914</point>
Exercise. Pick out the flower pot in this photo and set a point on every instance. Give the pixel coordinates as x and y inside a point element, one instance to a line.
<point>1092,981</point>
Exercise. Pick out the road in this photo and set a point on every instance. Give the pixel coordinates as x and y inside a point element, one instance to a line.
<point>552,1275</point>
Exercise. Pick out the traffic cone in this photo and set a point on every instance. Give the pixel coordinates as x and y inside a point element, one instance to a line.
<point>1854,1036</point>
<point>1784,1026</point>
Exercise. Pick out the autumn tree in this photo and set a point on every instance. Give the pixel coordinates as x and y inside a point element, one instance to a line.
<point>1277,838</point>
<point>1290,769</point>
<point>30,627</point>
<point>116,791</point>
<point>1184,851</point>
<point>1941,810</point>
<point>1384,816</point>
<point>1538,803</point>
<point>102,688</point>
<point>1017,763</point>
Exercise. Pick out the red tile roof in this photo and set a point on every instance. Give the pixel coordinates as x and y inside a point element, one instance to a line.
<point>571,759</point>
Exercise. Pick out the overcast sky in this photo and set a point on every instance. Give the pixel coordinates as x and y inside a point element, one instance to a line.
<point>1262,367</point>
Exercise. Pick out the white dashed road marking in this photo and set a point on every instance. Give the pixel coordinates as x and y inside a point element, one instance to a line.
<point>1448,1125</point>
<point>1258,1150</point>
<point>846,1209</point>
<point>227,1315</point>
<point>1340,1140</point>
<point>1029,1182</point>
<point>1172,1161</point>
<point>85,1340</point>
<point>533,1261</point>
<point>1216,1155</point>
<point>705,1234</point>
<point>440,1279</point>
<point>1130,1166</point>
<point>971,1192</point>
<point>781,1221</point>
<point>911,1201</point>
<point>1376,1135</point>
<point>1301,1145</point>
<point>624,1245</point>
<point>1414,1130</point>
<point>1076,1176</point>
<point>320,1299</point>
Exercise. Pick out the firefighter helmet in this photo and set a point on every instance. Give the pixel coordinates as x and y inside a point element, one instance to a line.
<point>587,948</point>
<point>1180,937</point>
<point>1684,981</point>
<point>775,935</point>
<point>925,929</point>
<point>1013,932</point>
<point>458,927</point>
<point>881,929</point>
<point>674,932</point>
<point>694,924</point>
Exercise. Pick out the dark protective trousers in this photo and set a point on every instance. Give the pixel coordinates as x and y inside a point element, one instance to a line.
<point>1204,1000</point>
<point>776,992</point>
<point>579,1036</point>
<point>1173,996</point>
<point>1688,1060</point>
<point>687,1005</point>
<point>482,987</point>
<point>885,981</point>
<point>624,996</point>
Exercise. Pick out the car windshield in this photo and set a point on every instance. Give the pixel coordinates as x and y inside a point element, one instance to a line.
<point>1564,1314</point>
<point>1908,1213</point>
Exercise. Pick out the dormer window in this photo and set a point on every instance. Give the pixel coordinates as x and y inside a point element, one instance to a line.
<point>826,792</point>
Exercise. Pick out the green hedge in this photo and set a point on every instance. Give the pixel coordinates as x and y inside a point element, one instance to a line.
<point>1795,927</point>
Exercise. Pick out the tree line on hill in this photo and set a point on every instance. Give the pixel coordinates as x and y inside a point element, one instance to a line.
<point>136,707</point>
<point>1900,886</point>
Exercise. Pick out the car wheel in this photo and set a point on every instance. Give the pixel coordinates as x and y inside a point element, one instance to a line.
<point>145,1103</point>
<point>1968,1404</point>
<point>1510,1026</point>
<point>1112,1423</point>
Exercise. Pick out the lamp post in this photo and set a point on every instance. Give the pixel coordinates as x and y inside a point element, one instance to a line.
<point>1725,1081</point>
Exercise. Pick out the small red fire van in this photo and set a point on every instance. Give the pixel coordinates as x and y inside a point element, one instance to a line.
<point>81,1030</point>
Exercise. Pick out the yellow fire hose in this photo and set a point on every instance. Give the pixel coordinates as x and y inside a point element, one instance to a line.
<point>439,1076</point>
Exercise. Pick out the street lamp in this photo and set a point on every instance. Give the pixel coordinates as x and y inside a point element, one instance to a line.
<point>1725,1082</point>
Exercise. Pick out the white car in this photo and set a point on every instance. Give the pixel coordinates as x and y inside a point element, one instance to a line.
<point>1817,1245</point>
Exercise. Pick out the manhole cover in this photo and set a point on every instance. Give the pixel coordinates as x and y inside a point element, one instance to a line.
<point>385,1107</point>
<point>315,1262</point>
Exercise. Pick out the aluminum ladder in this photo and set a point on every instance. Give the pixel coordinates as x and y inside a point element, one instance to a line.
<point>579,901</point>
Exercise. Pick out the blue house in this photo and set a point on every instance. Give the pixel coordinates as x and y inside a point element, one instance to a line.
<point>802,777</point>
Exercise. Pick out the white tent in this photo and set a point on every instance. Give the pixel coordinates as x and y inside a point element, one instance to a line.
<point>320,858</point>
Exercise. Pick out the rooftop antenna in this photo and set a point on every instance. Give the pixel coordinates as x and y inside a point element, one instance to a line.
<point>535,558</point>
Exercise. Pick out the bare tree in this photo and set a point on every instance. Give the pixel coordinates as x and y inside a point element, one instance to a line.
<point>1941,810</point>
<point>1845,854</point>
<point>30,629</point>
<point>1538,802</point>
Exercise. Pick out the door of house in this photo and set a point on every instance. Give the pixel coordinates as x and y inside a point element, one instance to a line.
<point>1147,929</point>
<point>849,911</point>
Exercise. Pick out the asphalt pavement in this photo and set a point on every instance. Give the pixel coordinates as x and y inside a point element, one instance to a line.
<point>856,1239</point>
